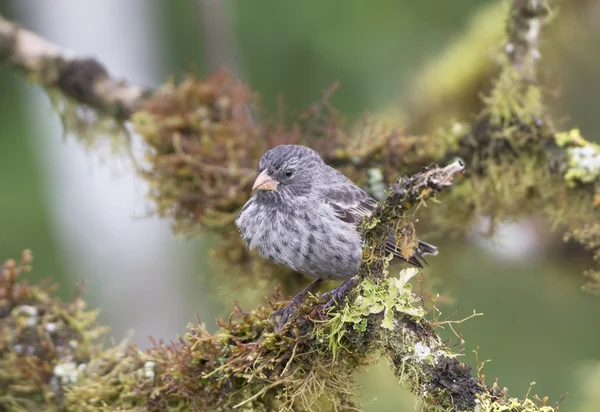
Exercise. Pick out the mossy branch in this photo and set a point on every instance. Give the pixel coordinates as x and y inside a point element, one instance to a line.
<point>524,26</point>
<point>84,80</point>
<point>247,365</point>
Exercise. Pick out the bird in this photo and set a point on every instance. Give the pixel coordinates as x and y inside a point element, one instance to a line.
<point>304,215</point>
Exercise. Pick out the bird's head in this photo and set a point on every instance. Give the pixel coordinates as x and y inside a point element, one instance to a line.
<point>288,169</point>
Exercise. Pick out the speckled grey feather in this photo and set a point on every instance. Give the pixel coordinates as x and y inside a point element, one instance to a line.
<point>309,223</point>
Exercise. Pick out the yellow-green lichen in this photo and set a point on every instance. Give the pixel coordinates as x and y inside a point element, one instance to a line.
<point>389,296</point>
<point>388,299</point>
<point>569,138</point>
<point>488,403</point>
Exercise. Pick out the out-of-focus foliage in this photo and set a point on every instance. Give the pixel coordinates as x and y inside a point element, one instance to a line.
<point>45,344</point>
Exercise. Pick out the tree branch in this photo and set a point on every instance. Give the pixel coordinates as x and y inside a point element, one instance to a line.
<point>54,358</point>
<point>84,80</point>
<point>524,27</point>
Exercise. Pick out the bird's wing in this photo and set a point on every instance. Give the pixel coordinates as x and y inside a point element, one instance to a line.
<point>351,204</point>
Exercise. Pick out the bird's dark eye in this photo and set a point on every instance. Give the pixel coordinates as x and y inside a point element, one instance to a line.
<point>289,172</point>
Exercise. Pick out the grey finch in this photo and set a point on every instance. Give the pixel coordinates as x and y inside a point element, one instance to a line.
<point>305,215</point>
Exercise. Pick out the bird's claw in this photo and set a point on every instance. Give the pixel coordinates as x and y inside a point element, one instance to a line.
<point>335,296</point>
<point>338,294</point>
<point>290,309</point>
<point>286,313</point>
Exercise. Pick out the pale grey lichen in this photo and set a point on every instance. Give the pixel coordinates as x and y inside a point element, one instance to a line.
<point>583,158</point>
<point>149,370</point>
<point>66,373</point>
<point>584,163</point>
<point>29,314</point>
<point>422,351</point>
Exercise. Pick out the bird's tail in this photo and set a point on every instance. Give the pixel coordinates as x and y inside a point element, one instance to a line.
<point>423,249</point>
<point>417,256</point>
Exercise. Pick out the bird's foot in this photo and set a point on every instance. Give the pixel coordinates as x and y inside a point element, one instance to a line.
<point>286,313</point>
<point>338,294</point>
<point>290,309</point>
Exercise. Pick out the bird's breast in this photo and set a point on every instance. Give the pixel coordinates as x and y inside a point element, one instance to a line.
<point>305,237</point>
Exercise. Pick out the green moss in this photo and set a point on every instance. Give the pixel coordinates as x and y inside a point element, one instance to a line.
<point>93,129</point>
<point>203,152</point>
<point>246,365</point>
<point>511,100</point>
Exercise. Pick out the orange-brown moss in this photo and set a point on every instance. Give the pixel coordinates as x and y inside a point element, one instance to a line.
<point>204,147</point>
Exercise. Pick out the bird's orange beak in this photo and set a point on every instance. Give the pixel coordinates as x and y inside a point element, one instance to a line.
<point>265,182</point>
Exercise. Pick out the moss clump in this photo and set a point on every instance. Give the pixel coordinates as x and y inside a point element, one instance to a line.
<point>246,365</point>
<point>118,378</point>
<point>204,147</point>
<point>45,344</point>
<point>593,284</point>
<point>512,100</point>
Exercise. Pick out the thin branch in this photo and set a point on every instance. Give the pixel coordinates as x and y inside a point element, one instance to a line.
<point>524,26</point>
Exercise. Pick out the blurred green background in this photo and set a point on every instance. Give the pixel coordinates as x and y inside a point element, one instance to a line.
<point>537,324</point>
